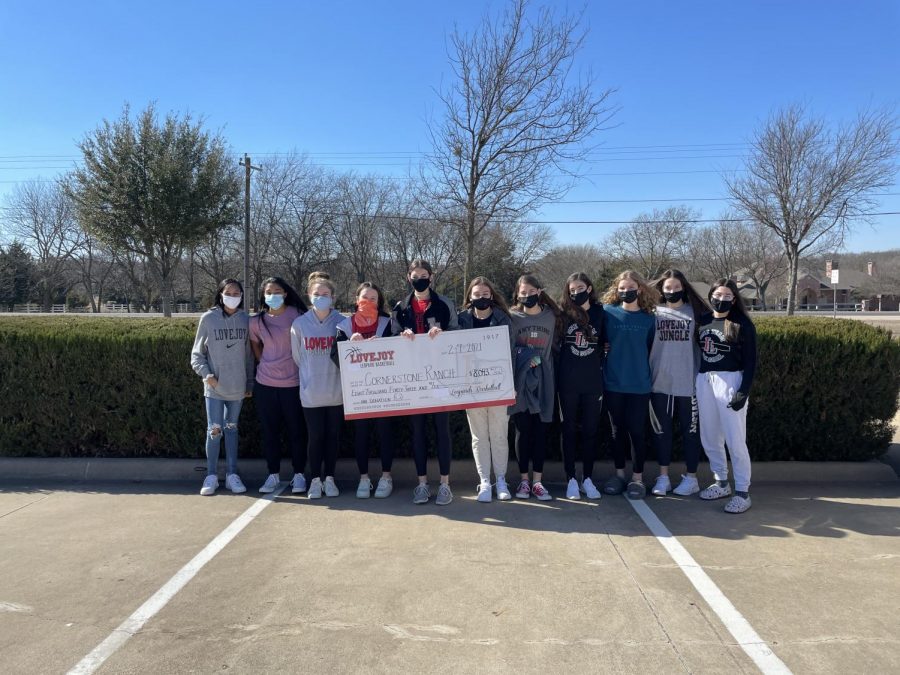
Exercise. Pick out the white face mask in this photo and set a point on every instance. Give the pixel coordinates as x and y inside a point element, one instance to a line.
<point>231,301</point>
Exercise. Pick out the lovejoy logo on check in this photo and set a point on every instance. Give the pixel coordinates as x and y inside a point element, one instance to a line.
<point>359,356</point>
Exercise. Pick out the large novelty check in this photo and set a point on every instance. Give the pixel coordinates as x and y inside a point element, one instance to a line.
<point>455,370</point>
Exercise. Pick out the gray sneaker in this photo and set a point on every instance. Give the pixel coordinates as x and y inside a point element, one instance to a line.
<point>444,496</point>
<point>385,488</point>
<point>421,494</point>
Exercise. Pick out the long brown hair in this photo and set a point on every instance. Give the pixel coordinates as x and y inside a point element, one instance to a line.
<point>647,295</point>
<point>692,297</point>
<point>499,301</point>
<point>575,312</point>
<point>738,309</point>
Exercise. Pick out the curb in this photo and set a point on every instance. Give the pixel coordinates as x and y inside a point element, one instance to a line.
<point>138,470</point>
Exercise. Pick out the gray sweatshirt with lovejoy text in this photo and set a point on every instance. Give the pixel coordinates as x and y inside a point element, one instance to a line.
<point>311,342</point>
<point>222,348</point>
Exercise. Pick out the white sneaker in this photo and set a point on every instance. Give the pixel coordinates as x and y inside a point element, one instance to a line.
<point>271,483</point>
<point>716,491</point>
<point>234,483</point>
<point>315,489</point>
<point>738,504</point>
<point>502,489</point>
<point>662,486</point>
<point>385,488</point>
<point>590,490</point>
<point>298,484</point>
<point>687,487</point>
<point>539,491</point>
<point>572,491</point>
<point>210,485</point>
<point>364,489</point>
<point>331,490</point>
<point>484,491</point>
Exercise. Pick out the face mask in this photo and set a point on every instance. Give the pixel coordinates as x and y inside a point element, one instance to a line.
<point>366,312</point>
<point>674,297</point>
<point>580,297</point>
<point>231,301</point>
<point>275,301</point>
<point>722,306</point>
<point>482,303</point>
<point>529,301</point>
<point>628,296</point>
<point>421,284</point>
<point>321,302</point>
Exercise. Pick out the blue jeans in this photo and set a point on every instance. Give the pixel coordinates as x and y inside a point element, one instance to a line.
<point>222,421</point>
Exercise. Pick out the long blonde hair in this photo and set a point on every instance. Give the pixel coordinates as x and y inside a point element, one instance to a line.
<point>648,297</point>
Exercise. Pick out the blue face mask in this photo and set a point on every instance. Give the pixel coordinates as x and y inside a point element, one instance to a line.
<point>321,302</point>
<point>275,301</point>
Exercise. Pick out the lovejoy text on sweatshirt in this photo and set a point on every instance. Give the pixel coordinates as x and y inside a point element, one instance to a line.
<point>222,348</point>
<point>311,342</point>
<point>630,337</point>
<point>674,358</point>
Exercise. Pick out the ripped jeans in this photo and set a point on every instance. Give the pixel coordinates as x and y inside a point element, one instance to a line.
<point>222,421</point>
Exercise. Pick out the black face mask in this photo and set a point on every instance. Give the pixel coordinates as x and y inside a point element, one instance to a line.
<point>580,297</point>
<point>528,301</point>
<point>421,284</point>
<point>628,296</point>
<point>674,297</point>
<point>722,306</point>
<point>482,303</point>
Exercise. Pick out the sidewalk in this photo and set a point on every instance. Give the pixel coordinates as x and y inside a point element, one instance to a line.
<point>462,472</point>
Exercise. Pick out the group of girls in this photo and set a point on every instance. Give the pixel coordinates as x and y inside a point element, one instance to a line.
<point>641,352</point>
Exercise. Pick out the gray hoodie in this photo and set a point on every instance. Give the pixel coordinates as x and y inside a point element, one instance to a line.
<point>222,348</point>
<point>534,334</point>
<point>311,342</point>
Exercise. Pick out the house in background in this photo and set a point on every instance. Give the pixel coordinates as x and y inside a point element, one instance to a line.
<point>855,290</point>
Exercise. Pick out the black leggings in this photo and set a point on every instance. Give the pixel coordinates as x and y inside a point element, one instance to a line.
<point>628,416</point>
<point>324,428</point>
<point>531,441</point>
<point>584,408</point>
<point>420,443</point>
<point>385,428</point>
<point>279,409</point>
<point>665,408</point>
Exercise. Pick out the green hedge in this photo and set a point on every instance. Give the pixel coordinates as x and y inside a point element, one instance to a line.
<point>118,387</point>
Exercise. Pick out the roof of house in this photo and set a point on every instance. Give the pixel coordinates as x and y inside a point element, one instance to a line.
<point>850,279</point>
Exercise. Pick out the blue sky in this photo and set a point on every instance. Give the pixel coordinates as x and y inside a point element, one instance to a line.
<point>352,83</point>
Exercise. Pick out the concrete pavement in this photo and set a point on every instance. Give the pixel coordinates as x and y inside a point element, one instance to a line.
<point>347,585</point>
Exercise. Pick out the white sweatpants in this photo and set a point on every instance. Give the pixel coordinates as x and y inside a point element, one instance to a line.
<point>490,444</point>
<point>721,426</point>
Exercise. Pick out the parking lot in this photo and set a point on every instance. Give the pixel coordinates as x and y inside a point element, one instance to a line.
<point>347,585</point>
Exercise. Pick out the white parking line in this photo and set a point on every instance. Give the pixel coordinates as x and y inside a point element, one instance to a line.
<point>161,598</point>
<point>748,639</point>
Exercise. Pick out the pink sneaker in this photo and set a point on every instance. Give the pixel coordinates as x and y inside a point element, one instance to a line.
<point>540,492</point>
<point>524,490</point>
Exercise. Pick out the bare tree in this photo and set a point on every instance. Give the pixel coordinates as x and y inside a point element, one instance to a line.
<point>95,265</point>
<point>361,204</point>
<point>42,217</point>
<point>560,261</point>
<point>738,249</point>
<point>810,184</point>
<point>654,241</point>
<point>513,118</point>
